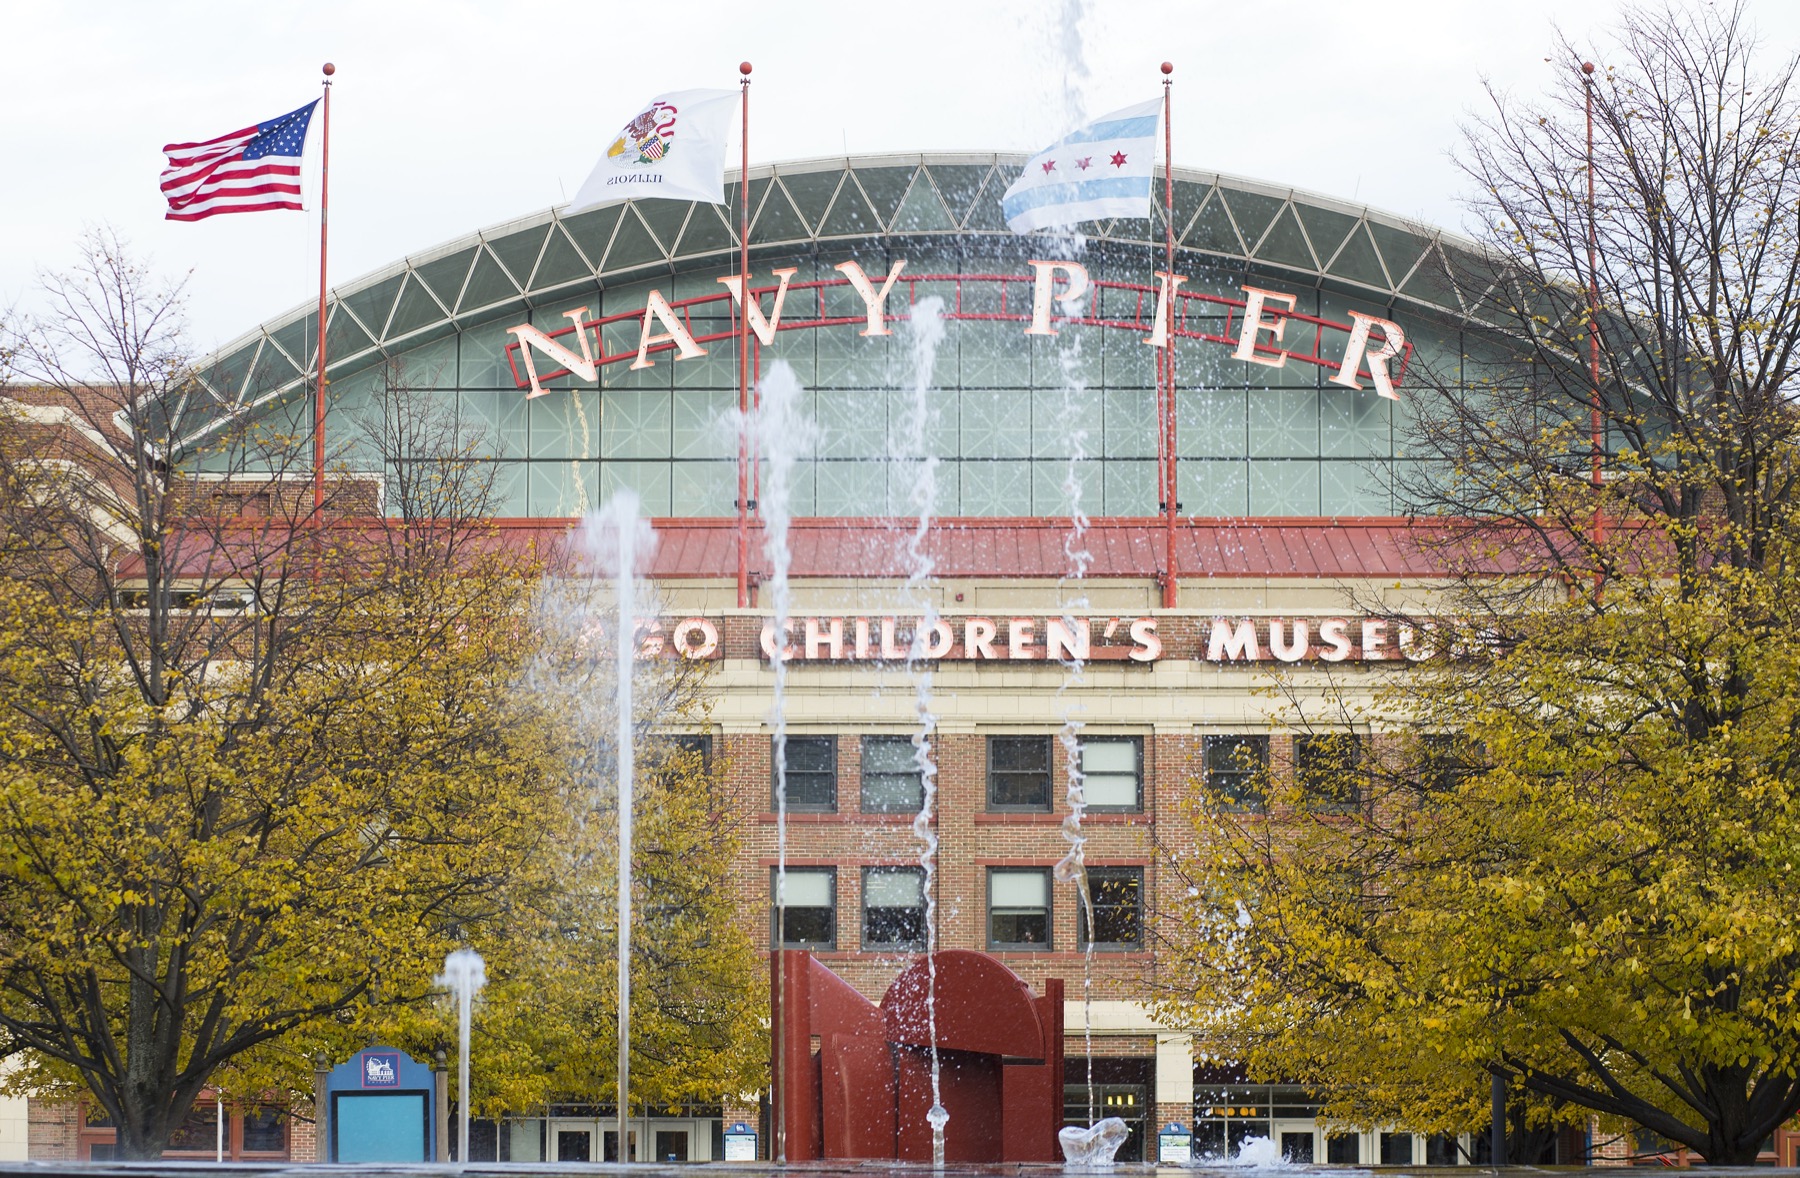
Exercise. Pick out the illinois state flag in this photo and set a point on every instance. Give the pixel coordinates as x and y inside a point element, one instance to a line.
<point>674,149</point>
<point>1102,170</point>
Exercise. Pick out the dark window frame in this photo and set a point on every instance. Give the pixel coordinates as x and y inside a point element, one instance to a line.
<point>1317,754</point>
<point>1137,743</point>
<point>829,774</point>
<point>880,741</point>
<point>776,932</point>
<point>868,928</point>
<point>1048,944</point>
<point>1102,875</point>
<point>1239,789</point>
<point>994,775</point>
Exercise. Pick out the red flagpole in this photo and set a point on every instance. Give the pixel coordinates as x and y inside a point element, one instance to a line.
<point>1170,507</point>
<point>318,473</point>
<point>743,495</point>
<point>1593,292</point>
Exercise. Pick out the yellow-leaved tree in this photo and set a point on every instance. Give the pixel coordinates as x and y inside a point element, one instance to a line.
<point>1563,863</point>
<point>265,760</point>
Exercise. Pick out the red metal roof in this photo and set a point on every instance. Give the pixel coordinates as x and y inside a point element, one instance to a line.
<point>1272,547</point>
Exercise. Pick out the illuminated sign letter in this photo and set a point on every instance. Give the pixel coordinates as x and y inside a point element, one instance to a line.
<point>1331,631</point>
<point>764,328</point>
<point>1229,642</point>
<point>978,638</point>
<point>1354,351</point>
<point>874,301</point>
<point>1020,634</point>
<point>1278,640</point>
<point>830,640</point>
<point>530,337</point>
<point>1165,298</point>
<point>1255,321</point>
<point>1041,291</point>
<point>658,307</point>
<point>1063,641</point>
<point>1148,646</point>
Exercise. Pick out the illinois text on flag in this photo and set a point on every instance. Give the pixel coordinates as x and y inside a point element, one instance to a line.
<point>674,148</point>
<point>246,171</point>
<point>1102,170</point>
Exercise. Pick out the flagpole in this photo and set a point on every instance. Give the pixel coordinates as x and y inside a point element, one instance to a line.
<point>318,471</point>
<point>1170,506</point>
<point>743,495</point>
<point>1593,293</point>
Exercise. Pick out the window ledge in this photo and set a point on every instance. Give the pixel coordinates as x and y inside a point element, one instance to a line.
<point>1041,818</point>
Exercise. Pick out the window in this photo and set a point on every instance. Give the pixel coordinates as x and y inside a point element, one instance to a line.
<point>1112,772</point>
<point>1343,1149</point>
<point>1396,1149</point>
<point>891,782</point>
<point>698,744</point>
<point>1018,908</point>
<point>265,1129</point>
<point>811,772</point>
<point>811,907</point>
<point>1234,769</point>
<point>893,908</point>
<point>1118,898</point>
<point>1019,773</point>
<point>1447,762</point>
<point>1327,766</point>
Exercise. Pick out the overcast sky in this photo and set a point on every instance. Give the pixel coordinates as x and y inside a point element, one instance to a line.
<point>450,115</point>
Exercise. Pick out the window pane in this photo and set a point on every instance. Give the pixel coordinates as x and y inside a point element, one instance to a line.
<point>805,889</point>
<point>811,772</point>
<point>1234,768</point>
<point>1019,772</point>
<point>1018,889</point>
<point>891,781</point>
<point>1117,894</point>
<point>1109,756</point>
<point>893,889</point>
<point>1111,790</point>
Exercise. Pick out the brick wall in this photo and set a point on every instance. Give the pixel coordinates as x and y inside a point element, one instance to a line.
<point>54,1130</point>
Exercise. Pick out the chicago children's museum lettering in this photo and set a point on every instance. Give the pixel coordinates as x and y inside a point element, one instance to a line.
<point>1371,343</point>
<point>874,638</point>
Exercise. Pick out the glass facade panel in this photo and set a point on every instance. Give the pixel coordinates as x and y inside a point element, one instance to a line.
<point>1006,410</point>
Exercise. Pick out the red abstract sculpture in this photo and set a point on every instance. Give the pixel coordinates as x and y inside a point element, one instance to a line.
<point>853,1080</point>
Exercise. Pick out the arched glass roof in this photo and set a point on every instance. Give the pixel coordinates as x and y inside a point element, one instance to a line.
<point>548,257</point>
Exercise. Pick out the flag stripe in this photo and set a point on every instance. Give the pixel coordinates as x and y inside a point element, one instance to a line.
<point>1138,128</point>
<point>245,171</point>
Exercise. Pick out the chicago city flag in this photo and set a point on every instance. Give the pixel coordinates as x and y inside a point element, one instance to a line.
<point>1100,171</point>
<point>674,148</point>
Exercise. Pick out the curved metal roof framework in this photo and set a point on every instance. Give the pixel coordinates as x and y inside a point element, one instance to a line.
<point>1295,236</point>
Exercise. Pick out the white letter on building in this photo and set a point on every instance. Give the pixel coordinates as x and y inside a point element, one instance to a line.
<point>1255,321</point>
<point>1063,643</point>
<point>1358,347</point>
<point>831,638</point>
<point>978,638</point>
<point>1332,630</point>
<point>683,638</point>
<point>1278,643</point>
<point>1019,637</point>
<point>764,328</point>
<point>874,301</point>
<point>1149,644</point>
<point>1165,297</point>
<point>530,337</point>
<point>1231,643</point>
<point>658,307</point>
<point>1374,638</point>
<point>1041,288</point>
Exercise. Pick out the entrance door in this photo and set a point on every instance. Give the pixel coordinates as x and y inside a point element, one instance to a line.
<point>572,1145</point>
<point>1298,1141</point>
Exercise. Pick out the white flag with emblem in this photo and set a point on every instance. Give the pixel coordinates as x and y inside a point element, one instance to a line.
<point>1102,170</point>
<point>674,149</point>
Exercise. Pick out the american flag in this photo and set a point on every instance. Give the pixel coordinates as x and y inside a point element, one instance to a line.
<point>246,171</point>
